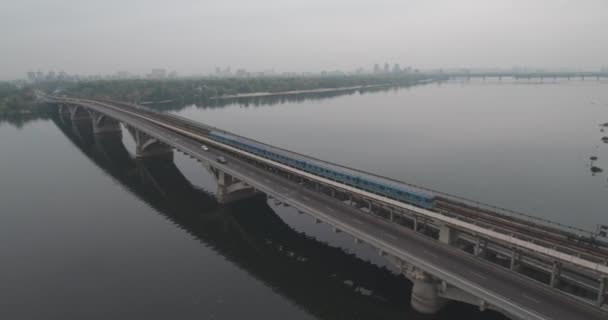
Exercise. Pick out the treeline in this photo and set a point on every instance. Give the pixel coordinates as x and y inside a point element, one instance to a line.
<point>17,100</point>
<point>199,89</point>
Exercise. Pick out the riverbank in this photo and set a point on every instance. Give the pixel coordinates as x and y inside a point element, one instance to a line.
<point>283,93</point>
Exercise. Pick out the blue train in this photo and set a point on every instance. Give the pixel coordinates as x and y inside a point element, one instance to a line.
<point>342,175</point>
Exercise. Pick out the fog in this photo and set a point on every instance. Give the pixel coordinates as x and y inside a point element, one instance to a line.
<point>194,36</point>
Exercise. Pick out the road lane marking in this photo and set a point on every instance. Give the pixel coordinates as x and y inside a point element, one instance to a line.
<point>329,208</point>
<point>358,221</point>
<point>530,298</point>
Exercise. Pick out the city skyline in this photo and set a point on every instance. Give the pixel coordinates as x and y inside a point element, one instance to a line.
<point>193,37</point>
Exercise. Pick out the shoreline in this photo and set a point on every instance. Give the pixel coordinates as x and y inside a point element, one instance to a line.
<point>293,92</point>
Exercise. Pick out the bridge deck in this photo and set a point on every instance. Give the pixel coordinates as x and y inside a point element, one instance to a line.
<point>508,291</point>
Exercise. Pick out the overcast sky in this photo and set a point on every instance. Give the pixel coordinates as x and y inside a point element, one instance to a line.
<point>194,36</point>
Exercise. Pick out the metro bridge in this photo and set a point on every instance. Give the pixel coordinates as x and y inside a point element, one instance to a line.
<point>454,249</point>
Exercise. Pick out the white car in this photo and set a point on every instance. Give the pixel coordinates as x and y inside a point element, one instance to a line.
<point>204,148</point>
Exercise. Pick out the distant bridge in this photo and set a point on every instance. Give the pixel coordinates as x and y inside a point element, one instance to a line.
<point>453,250</point>
<point>529,75</point>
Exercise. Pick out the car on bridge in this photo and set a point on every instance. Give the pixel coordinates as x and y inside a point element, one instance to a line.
<point>204,147</point>
<point>221,160</point>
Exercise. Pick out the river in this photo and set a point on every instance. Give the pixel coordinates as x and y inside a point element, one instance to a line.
<point>87,232</point>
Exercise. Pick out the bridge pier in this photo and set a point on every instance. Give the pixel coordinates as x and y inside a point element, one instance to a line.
<point>78,113</point>
<point>147,146</point>
<point>103,123</point>
<point>425,291</point>
<point>64,110</point>
<point>229,188</point>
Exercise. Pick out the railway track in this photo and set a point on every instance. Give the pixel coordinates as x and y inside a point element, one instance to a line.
<point>558,239</point>
<point>526,230</point>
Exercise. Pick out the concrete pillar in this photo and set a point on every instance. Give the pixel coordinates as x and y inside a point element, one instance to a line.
<point>333,193</point>
<point>230,189</point>
<point>415,223</point>
<point>447,234</point>
<point>514,259</point>
<point>425,294</point>
<point>555,273</point>
<point>480,247</point>
<point>103,124</point>
<point>391,214</point>
<point>601,296</point>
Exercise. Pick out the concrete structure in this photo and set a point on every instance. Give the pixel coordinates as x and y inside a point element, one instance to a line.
<point>449,253</point>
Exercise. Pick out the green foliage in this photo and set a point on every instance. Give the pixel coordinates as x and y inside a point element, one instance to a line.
<point>16,100</point>
<point>200,89</point>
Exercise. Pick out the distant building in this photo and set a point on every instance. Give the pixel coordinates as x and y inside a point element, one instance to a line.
<point>241,73</point>
<point>51,75</point>
<point>39,76</point>
<point>396,68</point>
<point>31,76</point>
<point>172,74</point>
<point>386,67</point>
<point>158,74</point>
<point>227,72</point>
<point>376,68</point>
<point>604,69</point>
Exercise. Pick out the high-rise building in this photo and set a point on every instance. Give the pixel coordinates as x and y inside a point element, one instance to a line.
<point>386,67</point>
<point>396,68</point>
<point>31,76</point>
<point>376,68</point>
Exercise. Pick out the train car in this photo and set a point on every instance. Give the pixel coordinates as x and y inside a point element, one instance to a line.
<point>336,173</point>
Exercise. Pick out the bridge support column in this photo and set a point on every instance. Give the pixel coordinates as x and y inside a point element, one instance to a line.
<point>601,295</point>
<point>229,188</point>
<point>64,110</point>
<point>447,234</point>
<point>78,113</point>
<point>425,292</point>
<point>555,274</point>
<point>147,146</point>
<point>104,124</point>
<point>480,247</point>
<point>515,256</point>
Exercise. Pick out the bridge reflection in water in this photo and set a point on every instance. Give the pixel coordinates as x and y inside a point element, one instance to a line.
<point>327,282</point>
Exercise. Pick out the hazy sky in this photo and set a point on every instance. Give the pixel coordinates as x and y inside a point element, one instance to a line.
<point>193,36</point>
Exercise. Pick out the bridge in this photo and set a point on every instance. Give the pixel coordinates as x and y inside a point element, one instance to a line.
<point>456,249</point>
<point>528,75</point>
<point>262,244</point>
